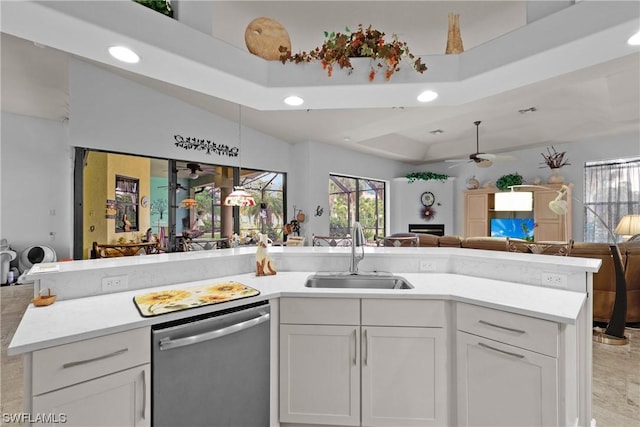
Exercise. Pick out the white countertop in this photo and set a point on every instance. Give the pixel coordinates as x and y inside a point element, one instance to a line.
<point>83,318</point>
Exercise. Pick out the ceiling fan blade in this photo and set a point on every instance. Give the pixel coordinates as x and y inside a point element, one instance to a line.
<point>505,158</point>
<point>458,164</point>
<point>178,186</point>
<point>495,157</point>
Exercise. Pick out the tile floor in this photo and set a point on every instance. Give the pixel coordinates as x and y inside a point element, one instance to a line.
<point>616,383</point>
<point>13,302</point>
<point>616,369</point>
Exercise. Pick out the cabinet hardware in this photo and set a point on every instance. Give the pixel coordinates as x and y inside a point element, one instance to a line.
<point>144,394</point>
<point>519,356</point>
<point>518,331</point>
<point>365,349</point>
<point>168,343</point>
<point>95,359</point>
<point>355,348</point>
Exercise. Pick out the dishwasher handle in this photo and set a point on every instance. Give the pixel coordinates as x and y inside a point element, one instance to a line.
<point>168,343</point>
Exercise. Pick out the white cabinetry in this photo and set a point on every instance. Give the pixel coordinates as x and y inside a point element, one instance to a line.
<point>399,352</point>
<point>100,381</point>
<point>320,374</point>
<point>319,364</point>
<point>404,367</point>
<point>507,372</point>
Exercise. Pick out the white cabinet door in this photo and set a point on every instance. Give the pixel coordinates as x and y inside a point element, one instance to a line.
<point>404,381</point>
<point>120,399</point>
<point>502,385</point>
<point>319,374</point>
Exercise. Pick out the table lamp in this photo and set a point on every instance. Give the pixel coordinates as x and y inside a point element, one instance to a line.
<point>629,225</point>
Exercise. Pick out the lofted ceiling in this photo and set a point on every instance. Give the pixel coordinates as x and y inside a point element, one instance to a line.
<point>582,80</point>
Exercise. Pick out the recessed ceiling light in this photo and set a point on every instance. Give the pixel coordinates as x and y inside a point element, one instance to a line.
<point>436,131</point>
<point>124,54</point>
<point>427,96</point>
<point>293,100</point>
<point>634,40</point>
<point>347,139</point>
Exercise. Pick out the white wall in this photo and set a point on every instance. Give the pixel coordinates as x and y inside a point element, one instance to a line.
<point>111,113</point>
<point>406,207</point>
<point>36,184</point>
<point>309,180</point>
<point>528,165</point>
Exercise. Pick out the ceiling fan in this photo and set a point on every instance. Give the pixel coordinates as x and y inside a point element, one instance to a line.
<point>194,168</point>
<point>179,187</point>
<point>482,160</point>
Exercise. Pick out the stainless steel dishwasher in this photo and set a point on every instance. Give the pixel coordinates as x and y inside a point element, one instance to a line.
<point>212,370</point>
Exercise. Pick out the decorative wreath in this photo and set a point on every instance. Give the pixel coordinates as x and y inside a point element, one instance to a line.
<point>427,213</point>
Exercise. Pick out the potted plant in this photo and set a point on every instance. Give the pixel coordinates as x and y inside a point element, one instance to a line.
<point>426,176</point>
<point>162,6</point>
<point>505,181</point>
<point>555,160</point>
<point>339,48</point>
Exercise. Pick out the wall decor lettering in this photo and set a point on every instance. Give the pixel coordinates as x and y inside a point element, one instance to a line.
<point>210,147</point>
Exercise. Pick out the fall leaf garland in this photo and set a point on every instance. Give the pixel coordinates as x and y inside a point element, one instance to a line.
<point>339,48</point>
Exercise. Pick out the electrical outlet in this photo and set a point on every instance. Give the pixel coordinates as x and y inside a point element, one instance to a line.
<point>115,283</point>
<point>426,265</point>
<point>554,279</point>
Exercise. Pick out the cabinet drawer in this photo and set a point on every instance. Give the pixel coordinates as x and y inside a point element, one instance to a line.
<point>320,311</point>
<point>521,331</point>
<point>68,364</point>
<point>399,312</point>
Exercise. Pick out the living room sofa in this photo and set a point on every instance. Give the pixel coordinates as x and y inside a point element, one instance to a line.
<point>603,281</point>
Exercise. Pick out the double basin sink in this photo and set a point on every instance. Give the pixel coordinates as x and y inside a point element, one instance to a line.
<point>357,281</point>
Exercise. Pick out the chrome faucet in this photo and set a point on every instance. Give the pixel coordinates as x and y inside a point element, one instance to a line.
<point>357,239</point>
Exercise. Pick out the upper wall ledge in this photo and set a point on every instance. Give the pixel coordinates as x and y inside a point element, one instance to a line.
<point>585,34</point>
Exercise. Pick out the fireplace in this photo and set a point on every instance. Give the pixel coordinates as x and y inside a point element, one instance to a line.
<point>436,229</point>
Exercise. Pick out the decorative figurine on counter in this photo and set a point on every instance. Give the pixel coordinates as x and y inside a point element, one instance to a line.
<point>264,264</point>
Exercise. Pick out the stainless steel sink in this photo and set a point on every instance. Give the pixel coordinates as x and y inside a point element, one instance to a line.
<point>357,281</point>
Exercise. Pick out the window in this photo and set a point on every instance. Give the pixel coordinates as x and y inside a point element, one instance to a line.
<point>356,199</point>
<point>209,211</point>
<point>126,204</point>
<point>267,216</point>
<point>612,190</point>
<point>167,213</point>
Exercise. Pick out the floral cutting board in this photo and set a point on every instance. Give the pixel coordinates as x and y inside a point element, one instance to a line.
<point>154,303</point>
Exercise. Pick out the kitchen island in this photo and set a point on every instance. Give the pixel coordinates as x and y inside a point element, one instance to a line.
<point>462,287</point>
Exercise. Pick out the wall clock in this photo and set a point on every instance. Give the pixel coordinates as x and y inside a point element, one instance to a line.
<point>427,198</point>
<point>144,202</point>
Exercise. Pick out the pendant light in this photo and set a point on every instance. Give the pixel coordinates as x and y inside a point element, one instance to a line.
<point>239,197</point>
<point>188,203</point>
